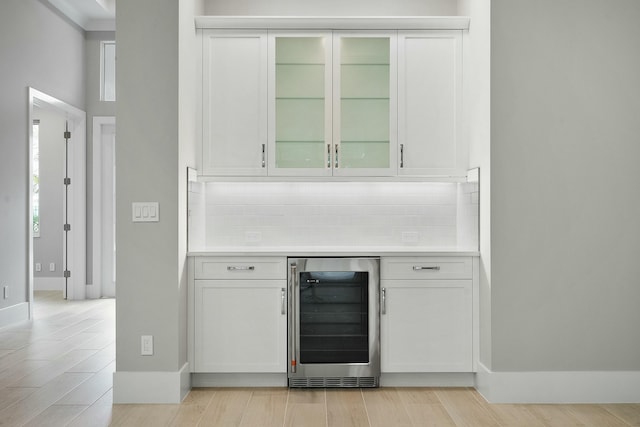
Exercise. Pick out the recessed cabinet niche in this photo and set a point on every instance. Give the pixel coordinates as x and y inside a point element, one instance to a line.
<point>332,103</point>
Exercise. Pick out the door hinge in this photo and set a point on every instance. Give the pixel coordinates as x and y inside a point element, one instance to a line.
<point>67,227</point>
<point>67,135</point>
<point>67,181</point>
<point>67,273</point>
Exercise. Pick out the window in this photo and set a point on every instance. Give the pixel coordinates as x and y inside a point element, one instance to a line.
<point>108,71</point>
<point>36,178</point>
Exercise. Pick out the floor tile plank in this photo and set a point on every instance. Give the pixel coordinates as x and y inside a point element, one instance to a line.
<point>265,410</point>
<point>100,414</point>
<point>192,408</point>
<point>464,408</point>
<point>31,406</point>
<point>92,389</point>
<point>226,408</point>
<point>384,407</point>
<point>56,416</point>
<point>345,408</point>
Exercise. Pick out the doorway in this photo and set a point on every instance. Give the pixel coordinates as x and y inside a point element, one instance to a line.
<point>104,242</point>
<point>73,258</point>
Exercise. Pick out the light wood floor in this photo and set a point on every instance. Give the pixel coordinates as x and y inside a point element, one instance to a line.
<point>57,371</point>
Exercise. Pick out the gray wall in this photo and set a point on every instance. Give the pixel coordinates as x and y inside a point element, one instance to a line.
<point>48,247</point>
<point>565,211</point>
<point>147,170</point>
<point>38,48</point>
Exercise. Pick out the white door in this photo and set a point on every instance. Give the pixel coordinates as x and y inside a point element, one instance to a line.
<point>74,201</point>
<point>104,176</point>
<point>108,225</point>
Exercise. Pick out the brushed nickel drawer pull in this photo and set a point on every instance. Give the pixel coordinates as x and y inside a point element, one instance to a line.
<point>418,268</point>
<point>240,267</point>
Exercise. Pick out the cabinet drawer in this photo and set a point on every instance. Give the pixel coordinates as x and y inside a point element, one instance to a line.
<point>416,268</point>
<point>240,268</point>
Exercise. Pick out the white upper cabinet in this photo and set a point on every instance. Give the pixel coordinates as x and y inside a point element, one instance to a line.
<point>332,103</point>
<point>234,103</point>
<point>430,104</point>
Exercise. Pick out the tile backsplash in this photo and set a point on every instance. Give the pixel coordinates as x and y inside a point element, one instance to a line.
<point>338,214</point>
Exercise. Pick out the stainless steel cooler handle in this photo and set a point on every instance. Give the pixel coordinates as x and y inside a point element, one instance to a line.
<point>293,283</point>
<point>283,292</point>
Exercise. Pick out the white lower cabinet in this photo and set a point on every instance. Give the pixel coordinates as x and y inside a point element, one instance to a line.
<point>240,325</point>
<point>426,324</point>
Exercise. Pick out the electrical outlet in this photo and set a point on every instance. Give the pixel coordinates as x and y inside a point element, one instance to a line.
<point>5,292</point>
<point>146,345</point>
<point>38,266</point>
<point>52,266</point>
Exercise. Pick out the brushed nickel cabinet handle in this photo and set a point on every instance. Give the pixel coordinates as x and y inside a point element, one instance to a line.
<point>384,301</point>
<point>418,268</point>
<point>283,293</point>
<point>336,155</point>
<point>401,155</point>
<point>264,159</point>
<point>328,156</point>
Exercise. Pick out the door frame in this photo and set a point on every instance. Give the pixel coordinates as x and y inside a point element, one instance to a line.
<point>96,289</point>
<point>76,248</point>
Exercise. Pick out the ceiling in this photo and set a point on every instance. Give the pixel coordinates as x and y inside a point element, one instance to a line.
<point>92,15</point>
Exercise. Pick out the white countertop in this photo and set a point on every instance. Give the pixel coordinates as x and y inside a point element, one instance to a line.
<point>327,251</point>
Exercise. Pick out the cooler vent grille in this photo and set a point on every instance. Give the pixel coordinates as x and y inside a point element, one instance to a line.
<point>330,382</point>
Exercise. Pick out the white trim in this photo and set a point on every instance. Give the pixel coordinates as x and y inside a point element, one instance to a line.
<point>77,195</point>
<point>48,284</point>
<point>239,380</point>
<point>151,387</point>
<point>95,290</point>
<point>434,379</point>
<point>13,314</point>
<point>559,387</point>
<point>335,22</point>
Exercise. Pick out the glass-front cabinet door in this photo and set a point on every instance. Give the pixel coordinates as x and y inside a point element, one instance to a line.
<point>333,104</point>
<point>364,104</point>
<point>300,86</point>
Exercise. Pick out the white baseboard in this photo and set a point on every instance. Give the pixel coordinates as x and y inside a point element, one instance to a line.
<point>13,314</point>
<point>559,387</point>
<point>239,380</point>
<point>435,379</point>
<point>151,387</point>
<point>48,283</point>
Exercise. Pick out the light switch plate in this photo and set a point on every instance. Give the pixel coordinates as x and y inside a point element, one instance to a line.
<point>145,212</point>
